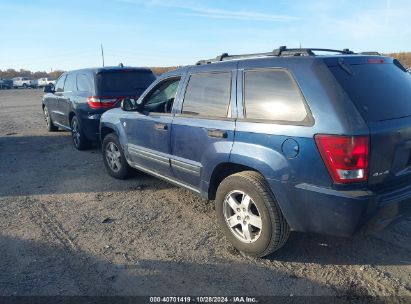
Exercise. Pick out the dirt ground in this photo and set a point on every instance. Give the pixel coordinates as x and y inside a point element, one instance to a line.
<point>67,228</point>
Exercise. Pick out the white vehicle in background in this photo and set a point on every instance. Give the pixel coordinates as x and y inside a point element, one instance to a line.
<point>21,82</point>
<point>42,82</point>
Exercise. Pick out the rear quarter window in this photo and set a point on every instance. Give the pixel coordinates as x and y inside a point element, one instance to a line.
<point>273,95</point>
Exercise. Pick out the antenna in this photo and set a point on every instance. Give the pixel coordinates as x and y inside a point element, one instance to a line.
<point>102,53</point>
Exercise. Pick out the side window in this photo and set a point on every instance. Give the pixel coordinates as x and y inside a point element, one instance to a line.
<point>70,85</point>
<point>60,83</point>
<point>84,83</point>
<point>273,95</point>
<point>161,98</point>
<point>208,94</point>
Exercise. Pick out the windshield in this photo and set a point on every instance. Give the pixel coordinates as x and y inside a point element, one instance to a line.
<point>380,91</point>
<point>123,81</point>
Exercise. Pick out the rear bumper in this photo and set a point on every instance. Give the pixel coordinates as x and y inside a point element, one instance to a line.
<point>309,208</point>
<point>91,126</point>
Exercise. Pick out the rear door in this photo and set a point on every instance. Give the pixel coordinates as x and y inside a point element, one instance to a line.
<point>203,132</point>
<point>380,88</point>
<point>66,97</point>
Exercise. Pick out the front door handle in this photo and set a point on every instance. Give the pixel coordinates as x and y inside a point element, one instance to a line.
<point>161,126</point>
<point>217,133</point>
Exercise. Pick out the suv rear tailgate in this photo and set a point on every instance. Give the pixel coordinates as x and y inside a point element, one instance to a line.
<point>380,88</point>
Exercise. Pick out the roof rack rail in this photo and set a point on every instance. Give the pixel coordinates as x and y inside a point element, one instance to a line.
<point>281,51</point>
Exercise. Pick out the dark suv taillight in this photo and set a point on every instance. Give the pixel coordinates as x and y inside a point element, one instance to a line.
<point>346,157</point>
<point>97,102</point>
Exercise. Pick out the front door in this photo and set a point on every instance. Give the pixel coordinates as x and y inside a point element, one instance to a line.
<point>53,101</point>
<point>148,131</point>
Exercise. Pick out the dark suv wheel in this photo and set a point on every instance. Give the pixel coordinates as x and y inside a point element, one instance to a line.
<point>79,139</point>
<point>113,157</point>
<point>49,122</point>
<point>249,214</point>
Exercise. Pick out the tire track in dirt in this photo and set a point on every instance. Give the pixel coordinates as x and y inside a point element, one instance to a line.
<point>80,264</point>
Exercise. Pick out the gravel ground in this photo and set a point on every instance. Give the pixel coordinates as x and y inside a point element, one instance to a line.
<point>67,228</point>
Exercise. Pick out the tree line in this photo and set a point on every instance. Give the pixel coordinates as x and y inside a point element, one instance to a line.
<point>11,73</point>
<point>403,57</point>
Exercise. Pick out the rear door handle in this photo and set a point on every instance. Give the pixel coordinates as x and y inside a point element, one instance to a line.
<point>217,133</point>
<point>161,126</point>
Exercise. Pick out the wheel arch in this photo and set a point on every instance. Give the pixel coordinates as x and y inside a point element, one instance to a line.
<point>105,130</point>
<point>223,170</point>
<point>71,115</point>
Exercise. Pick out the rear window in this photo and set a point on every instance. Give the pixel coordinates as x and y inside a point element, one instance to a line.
<point>208,94</point>
<point>84,83</point>
<point>380,91</point>
<point>124,81</point>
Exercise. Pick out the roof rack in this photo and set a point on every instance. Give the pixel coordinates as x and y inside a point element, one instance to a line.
<point>281,51</point>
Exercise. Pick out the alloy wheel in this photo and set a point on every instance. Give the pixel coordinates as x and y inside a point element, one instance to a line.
<point>242,216</point>
<point>75,129</point>
<point>113,156</point>
<point>46,116</point>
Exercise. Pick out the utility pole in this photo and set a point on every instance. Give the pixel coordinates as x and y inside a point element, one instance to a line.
<point>102,53</point>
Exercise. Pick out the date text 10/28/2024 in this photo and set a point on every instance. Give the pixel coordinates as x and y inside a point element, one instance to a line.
<point>203,300</point>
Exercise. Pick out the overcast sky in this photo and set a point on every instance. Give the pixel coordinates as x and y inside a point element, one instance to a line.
<point>60,34</point>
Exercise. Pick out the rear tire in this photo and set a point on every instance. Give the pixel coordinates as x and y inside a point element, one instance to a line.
<point>249,214</point>
<point>80,141</point>
<point>49,122</point>
<point>113,157</point>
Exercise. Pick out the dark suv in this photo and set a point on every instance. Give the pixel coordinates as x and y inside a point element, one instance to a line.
<point>285,140</point>
<point>79,98</point>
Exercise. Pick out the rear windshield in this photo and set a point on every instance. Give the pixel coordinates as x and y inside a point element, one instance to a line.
<point>380,91</point>
<point>125,81</point>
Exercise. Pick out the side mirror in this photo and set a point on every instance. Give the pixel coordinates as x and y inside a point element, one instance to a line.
<point>48,88</point>
<point>130,104</point>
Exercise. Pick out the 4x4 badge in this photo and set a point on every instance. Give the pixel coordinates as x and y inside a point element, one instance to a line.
<point>381,173</point>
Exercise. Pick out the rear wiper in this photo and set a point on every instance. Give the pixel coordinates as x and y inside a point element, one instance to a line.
<point>399,65</point>
<point>345,67</point>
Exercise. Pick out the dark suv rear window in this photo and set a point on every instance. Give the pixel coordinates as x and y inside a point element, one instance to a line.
<point>273,95</point>
<point>380,91</point>
<point>123,81</point>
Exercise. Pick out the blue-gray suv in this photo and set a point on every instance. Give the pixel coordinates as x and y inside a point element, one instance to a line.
<point>308,140</point>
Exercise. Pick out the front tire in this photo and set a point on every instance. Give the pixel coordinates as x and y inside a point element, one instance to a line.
<point>249,214</point>
<point>80,141</point>
<point>49,122</point>
<point>113,157</point>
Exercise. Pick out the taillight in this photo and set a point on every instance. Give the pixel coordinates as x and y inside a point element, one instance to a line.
<point>97,102</point>
<point>375,60</point>
<point>346,157</point>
